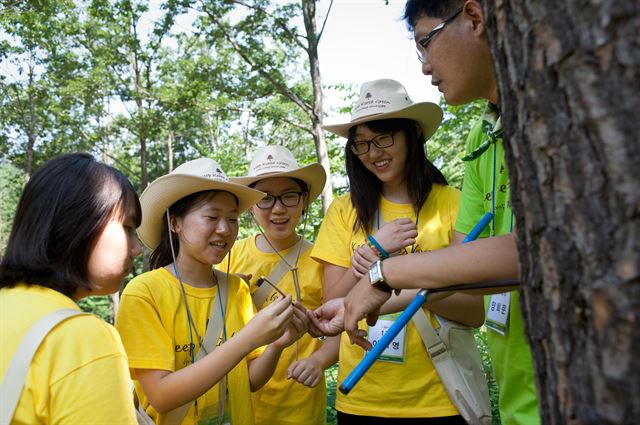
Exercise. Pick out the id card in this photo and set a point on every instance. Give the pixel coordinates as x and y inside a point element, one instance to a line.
<point>394,353</point>
<point>498,313</point>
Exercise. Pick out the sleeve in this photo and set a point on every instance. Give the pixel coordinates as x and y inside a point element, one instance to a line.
<point>333,244</point>
<point>98,391</point>
<point>146,340</point>
<point>472,199</point>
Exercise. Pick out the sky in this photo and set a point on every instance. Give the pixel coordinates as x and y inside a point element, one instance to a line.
<point>365,40</point>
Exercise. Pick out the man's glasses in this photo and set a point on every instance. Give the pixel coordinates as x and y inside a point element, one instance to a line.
<point>360,147</point>
<point>288,199</point>
<point>424,41</point>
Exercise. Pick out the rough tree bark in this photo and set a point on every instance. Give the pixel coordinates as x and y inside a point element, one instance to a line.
<point>569,80</point>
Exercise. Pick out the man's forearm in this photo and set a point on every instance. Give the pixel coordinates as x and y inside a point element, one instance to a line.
<point>478,261</point>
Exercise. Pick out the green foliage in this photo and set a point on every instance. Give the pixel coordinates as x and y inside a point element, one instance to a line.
<point>100,305</point>
<point>446,147</point>
<point>483,347</point>
<point>331,379</point>
<point>12,183</point>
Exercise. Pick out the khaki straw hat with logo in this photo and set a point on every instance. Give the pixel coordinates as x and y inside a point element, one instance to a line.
<point>387,99</point>
<point>189,178</point>
<point>278,161</point>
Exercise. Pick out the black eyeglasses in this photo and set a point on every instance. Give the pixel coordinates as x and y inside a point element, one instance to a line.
<point>288,199</point>
<point>424,41</point>
<point>360,147</point>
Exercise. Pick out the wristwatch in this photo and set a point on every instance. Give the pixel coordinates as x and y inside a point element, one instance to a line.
<point>377,279</point>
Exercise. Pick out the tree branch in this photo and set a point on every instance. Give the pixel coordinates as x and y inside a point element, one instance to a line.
<point>292,35</point>
<point>283,90</point>
<point>324,22</point>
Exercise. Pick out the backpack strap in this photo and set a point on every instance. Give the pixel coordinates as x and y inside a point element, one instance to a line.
<point>278,272</point>
<point>458,366</point>
<point>14,378</point>
<point>209,343</point>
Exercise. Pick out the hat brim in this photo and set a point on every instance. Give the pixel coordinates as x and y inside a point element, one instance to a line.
<point>313,175</point>
<point>168,189</point>
<point>428,115</point>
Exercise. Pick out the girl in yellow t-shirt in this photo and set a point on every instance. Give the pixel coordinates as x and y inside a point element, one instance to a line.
<point>194,345</point>
<point>275,251</point>
<point>78,373</point>
<point>398,203</point>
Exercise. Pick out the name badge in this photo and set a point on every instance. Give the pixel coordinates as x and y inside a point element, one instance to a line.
<point>394,353</point>
<point>498,313</point>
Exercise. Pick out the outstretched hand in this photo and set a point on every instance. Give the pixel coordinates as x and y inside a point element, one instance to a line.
<point>328,319</point>
<point>363,301</point>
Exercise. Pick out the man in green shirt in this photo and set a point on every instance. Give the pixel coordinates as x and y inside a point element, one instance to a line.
<point>453,49</point>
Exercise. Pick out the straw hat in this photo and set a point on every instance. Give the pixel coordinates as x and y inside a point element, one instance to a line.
<point>191,177</point>
<point>278,161</point>
<point>386,99</point>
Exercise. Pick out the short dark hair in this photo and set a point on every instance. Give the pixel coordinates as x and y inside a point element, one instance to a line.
<point>419,173</point>
<point>62,210</point>
<point>416,9</point>
<point>162,256</point>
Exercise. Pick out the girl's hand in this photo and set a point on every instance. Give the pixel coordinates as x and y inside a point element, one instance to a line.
<point>362,260</point>
<point>271,322</point>
<point>397,234</point>
<point>328,319</point>
<point>307,371</point>
<point>297,327</point>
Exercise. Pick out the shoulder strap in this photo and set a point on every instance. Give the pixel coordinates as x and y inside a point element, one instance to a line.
<point>278,272</point>
<point>214,329</point>
<point>432,342</point>
<point>14,378</point>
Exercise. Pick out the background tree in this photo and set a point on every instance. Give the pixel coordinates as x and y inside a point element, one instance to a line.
<point>569,78</point>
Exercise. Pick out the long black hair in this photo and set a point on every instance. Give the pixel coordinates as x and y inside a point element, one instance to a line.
<point>161,256</point>
<point>419,173</point>
<point>62,211</point>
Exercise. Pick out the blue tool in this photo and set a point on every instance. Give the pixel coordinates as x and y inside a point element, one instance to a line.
<point>421,297</point>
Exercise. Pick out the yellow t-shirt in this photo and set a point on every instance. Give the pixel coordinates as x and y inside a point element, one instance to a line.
<point>78,374</point>
<point>282,400</point>
<point>411,389</point>
<point>152,321</point>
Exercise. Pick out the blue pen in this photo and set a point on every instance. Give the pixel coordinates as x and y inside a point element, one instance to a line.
<point>421,297</point>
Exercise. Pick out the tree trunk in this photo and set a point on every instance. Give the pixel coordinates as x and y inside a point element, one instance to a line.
<point>569,81</point>
<point>309,15</point>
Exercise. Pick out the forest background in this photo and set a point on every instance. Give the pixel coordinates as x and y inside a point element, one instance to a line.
<point>144,94</point>
<point>102,76</point>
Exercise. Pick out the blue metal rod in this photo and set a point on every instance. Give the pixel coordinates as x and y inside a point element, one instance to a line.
<point>421,297</point>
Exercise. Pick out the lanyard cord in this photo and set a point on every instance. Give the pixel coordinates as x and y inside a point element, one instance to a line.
<point>190,322</point>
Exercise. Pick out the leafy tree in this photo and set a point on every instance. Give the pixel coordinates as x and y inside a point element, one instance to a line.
<point>12,183</point>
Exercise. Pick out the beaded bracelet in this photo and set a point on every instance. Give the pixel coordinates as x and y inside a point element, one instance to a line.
<point>377,248</point>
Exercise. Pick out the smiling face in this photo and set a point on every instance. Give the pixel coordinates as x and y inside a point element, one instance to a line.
<point>112,255</point>
<point>387,164</point>
<point>279,222</point>
<point>208,230</point>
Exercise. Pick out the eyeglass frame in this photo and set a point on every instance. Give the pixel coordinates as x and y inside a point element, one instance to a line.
<point>424,41</point>
<point>277,198</point>
<point>369,142</point>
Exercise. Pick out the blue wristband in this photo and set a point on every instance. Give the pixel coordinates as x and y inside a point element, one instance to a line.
<point>375,243</point>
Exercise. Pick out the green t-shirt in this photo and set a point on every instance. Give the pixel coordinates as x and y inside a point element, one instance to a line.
<point>486,189</point>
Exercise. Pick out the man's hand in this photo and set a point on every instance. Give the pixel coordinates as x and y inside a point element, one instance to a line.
<point>362,301</point>
<point>328,319</point>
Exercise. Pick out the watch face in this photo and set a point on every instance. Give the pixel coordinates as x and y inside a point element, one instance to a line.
<point>374,273</point>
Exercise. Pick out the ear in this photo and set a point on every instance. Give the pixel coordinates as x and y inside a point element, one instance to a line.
<point>472,11</point>
<point>176,224</point>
